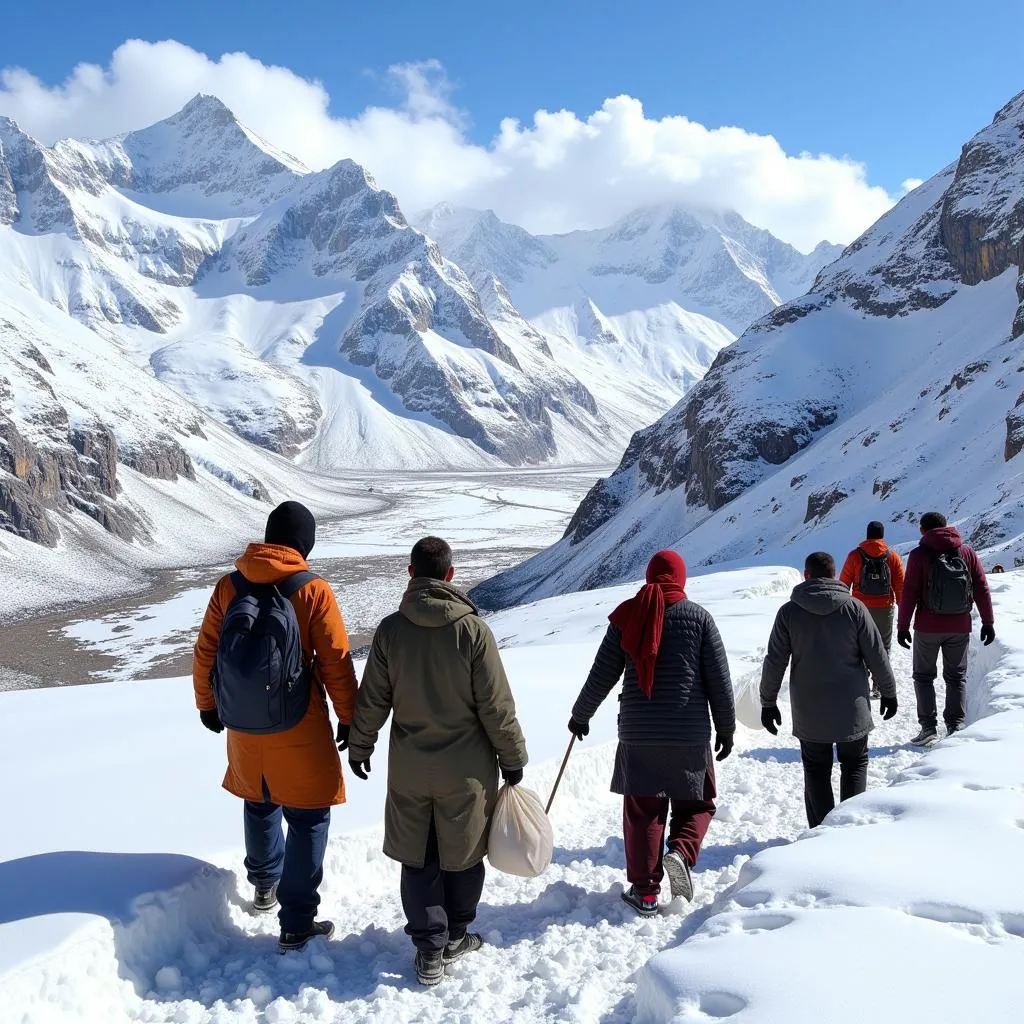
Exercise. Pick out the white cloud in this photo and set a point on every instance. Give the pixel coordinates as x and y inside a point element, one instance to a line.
<point>909,184</point>
<point>559,172</point>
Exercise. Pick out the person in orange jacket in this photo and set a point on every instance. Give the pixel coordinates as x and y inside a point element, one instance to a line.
<point>294,774</point>
<point>875,574</point>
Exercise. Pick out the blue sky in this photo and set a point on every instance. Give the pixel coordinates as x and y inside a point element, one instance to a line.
<point>898,86</point>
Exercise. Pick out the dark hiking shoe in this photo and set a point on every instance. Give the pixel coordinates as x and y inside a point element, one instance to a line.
<point>469,943</point>
<point>956,727</point>
<point>679,878</point>
<point>925,738</point>
<point>291,941</point>
<point>429,968</point>
<point>645,906</point>
<point>265,900</point>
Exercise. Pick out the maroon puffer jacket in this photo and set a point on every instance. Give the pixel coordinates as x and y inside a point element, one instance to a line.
<point>945,538</point>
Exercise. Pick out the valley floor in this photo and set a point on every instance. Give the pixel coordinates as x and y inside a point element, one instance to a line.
<point>493,520</point>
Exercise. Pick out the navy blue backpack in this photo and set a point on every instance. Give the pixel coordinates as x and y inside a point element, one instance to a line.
<point>261,681</point>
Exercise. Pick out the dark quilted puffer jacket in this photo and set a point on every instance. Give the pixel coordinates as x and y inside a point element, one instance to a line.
<point>691,676</point>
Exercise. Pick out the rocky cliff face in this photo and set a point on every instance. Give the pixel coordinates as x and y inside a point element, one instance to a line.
<point>886,388</point>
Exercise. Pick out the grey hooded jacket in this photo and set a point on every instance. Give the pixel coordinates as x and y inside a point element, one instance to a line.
<point>832,642</point>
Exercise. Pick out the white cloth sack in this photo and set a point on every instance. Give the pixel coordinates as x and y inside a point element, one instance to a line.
<point>521,841</point>
<point>748,701</point>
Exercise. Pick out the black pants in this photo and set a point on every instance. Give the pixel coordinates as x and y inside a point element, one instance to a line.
<point>817,757</point>
<point>439,905</point>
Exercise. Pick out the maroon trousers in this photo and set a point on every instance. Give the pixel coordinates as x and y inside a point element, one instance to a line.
<point>644,820</point>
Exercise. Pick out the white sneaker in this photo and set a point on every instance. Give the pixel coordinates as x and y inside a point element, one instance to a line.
<point>679,878</point>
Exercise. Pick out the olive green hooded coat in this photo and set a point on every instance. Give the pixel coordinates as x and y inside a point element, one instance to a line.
<point>435,665</point>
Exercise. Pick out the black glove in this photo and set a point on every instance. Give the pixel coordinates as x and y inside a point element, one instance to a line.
<point>905,639</point>
<point>342,735</point>
<point>771,719</point>
<point>723,746</point>
<point>513,776</point>
<point>579,729</point>
<point>887,707</point>
<point>211,720</point>
<point>988,634</point>
<point>361,769</point>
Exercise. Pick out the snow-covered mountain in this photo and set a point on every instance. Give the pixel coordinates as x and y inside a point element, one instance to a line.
<point>650,300</point>
<point>223,290</point>
<point>893,387</point>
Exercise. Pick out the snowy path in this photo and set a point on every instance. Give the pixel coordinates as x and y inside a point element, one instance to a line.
<point>562,947</point>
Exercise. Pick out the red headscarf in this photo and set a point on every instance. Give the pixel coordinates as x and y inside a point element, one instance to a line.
<point>641,618</point>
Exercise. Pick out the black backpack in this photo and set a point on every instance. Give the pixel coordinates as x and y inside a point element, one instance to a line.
<point>875,577</point>
<point>950,589</point>
<point>261,681</point>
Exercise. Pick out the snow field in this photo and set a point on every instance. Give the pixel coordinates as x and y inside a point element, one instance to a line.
<point>166,936</point>
<point>910,893</point>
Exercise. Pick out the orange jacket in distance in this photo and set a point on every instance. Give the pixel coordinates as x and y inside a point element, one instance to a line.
<point>851,573</point>
<point>300,767</point>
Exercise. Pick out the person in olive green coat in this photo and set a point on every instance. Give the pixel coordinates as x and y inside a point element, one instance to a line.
<point>434,665</point>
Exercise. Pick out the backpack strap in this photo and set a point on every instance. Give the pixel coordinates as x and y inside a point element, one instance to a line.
<point>241,584</point>
<point>293,584</point>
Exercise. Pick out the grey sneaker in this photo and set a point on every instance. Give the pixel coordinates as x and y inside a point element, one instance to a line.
<point>679,878</point>
<point>291,941</point>
<point>925,738</point>
<point>265,900</point>
<point>645,906</point>
<point>469,943</point>
<point>429,968</point>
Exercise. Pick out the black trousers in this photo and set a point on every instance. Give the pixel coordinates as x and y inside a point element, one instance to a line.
<point>818,759</point>
<point>439,905</point>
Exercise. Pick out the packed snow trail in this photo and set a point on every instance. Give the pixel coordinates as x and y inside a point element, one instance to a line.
<point>562,947</point>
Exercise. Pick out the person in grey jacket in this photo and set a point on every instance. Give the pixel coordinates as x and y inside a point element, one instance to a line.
<point>675,671</point>
<point>832,642</point>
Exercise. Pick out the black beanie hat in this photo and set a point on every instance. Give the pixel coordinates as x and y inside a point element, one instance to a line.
<point>292,525</point>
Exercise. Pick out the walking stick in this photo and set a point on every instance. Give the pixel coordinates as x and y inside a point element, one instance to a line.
<point>561,772</point>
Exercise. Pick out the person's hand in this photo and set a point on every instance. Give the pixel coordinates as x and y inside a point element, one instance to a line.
<point>905,639</point>
<point>988,634</point>
<point>579,729</point>
<point>771,719</point>
<point>342,736</point>
<point>360,769</point>
<point>211,720</point>
<point>887,707</point>
<point>723,746</point>
<point>513,776</point>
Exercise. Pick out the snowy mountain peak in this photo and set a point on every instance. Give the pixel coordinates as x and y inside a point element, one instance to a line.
<point>892,387</point>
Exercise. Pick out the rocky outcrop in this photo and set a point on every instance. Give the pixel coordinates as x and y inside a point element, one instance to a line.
<point>1014,431</point>
<point>78,473</point>
<point>161,459</point>
<point>8,197</point>
<point>821,502</point>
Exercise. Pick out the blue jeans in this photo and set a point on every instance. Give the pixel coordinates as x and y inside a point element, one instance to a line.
<point>296,864</point>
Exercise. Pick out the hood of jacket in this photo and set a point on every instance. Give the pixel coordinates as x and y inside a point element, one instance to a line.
<point>873,548</point>
<point>434,603</point>
<point>270,563</point>
<point>821,597</point>
<point>943,538</point>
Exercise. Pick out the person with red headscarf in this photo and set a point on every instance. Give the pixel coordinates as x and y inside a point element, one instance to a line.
<point>676,681</point>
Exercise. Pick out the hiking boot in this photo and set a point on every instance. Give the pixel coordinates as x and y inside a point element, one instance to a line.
<point>429,968</point>
<point>291,941</point>
<point>265,900</point>
<point>926,737</point>
<point>955,727</point>
<point>469,943</point>
<point>645,906</point>
<point>679,878</point>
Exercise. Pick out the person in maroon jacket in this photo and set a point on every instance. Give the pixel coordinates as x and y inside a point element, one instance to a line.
<point>944,580</point>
